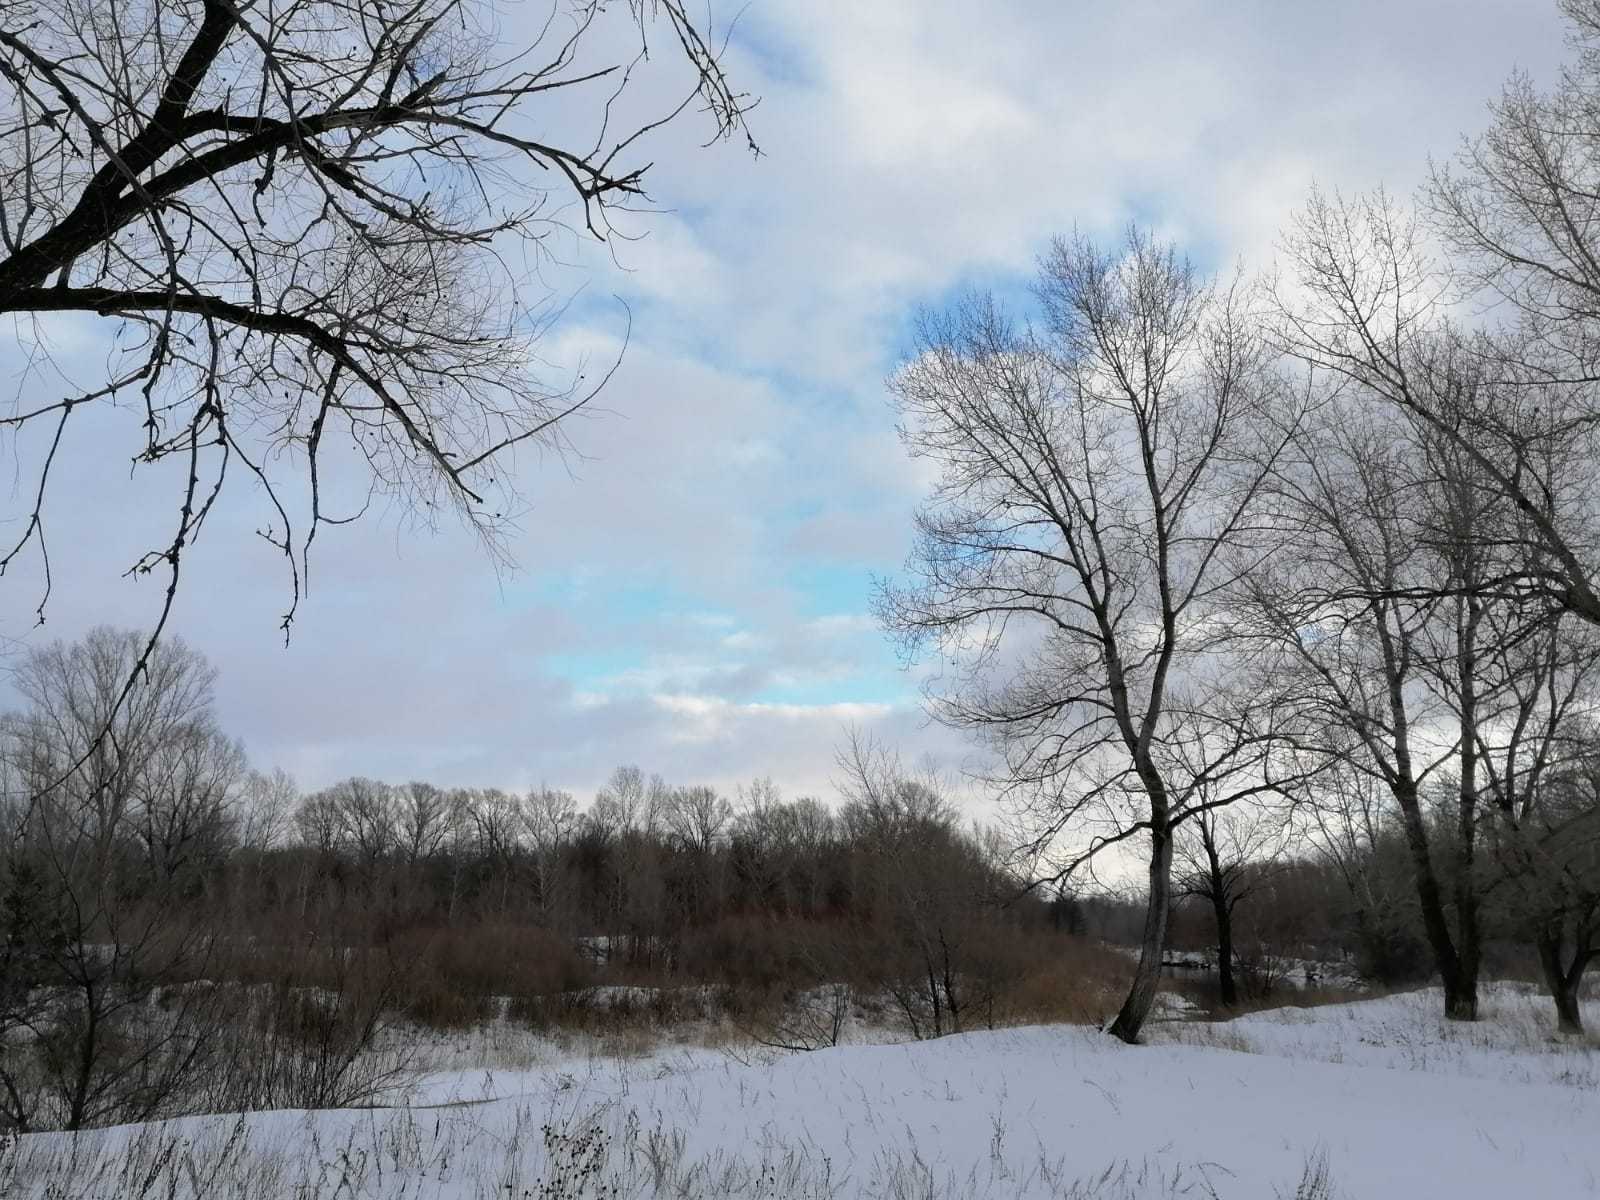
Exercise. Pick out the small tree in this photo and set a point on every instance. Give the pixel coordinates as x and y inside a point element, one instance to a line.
<point>109,840</point>
<point>426,818</point>
<point>1348,815</point>
<point>928,889</point>
<point>1539,781</point>
<point>1227,856</point>
<point>1357,632</point>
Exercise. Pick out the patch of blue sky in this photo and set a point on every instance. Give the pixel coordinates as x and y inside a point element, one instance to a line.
<point>1013,290</point>
<point>1154,212</point>
<point>1150,211</point>
<point>608,602</point>
<point>828,590</point>
<point>775,51</point>
<point>592,670</point>
<point>595,308</point>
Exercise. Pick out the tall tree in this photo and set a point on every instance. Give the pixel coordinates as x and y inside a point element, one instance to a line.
<point>1538,776</point>
<point>1359,634</point>
<point>1448,497</point>
<point>1367,298</point>
<point>1093,479</point>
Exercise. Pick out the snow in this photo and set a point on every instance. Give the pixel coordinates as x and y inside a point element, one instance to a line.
<point>1394,1102</point>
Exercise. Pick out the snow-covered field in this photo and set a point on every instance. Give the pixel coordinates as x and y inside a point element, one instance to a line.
<point>1376,1099</point>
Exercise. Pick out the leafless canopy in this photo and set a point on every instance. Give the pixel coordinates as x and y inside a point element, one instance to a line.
<point>1093,480</point>
<point>1098,484</point>
<point>309,231</point>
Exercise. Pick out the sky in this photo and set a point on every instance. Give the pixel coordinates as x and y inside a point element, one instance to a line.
<point>688,588</point>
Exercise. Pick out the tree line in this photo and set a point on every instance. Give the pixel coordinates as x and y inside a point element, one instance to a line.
<point>178,930</point>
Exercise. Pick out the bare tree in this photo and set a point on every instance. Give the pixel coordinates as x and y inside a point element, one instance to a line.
<point>318,823</point>
<point>110,836</point>
<point>1444,539</point>
<point>920,888</point>
<point>1350,609</point>
<point>426,818</point>
<point>1227,856</point>
<point>1070,559</point>
<point>631,803</point>
<point>1518,206</point>
<point>550,824</point>
<point>1538,779</point>
<point>187,801</point>
<point>267,808</point>
<point>365,809</point>
<point>1368,300</point>
<point>494,818</point>
<point>297,225</point>
<point>630,808</point>
<point>696,818</point>
<point>1557,879</point>
<point>1349,818</point>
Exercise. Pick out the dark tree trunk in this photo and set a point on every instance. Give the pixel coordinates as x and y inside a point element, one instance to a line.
<point>1227,990</point>
<point>1569,1016</point>
<point>1460,987</point>
<point>1147,978</point>
<point>1562,981</point>
<point>1461,998</point>
<point>1222,902</point>
<point>1463,1006</point>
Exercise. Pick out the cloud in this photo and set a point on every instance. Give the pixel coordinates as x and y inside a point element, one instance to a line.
<point>693,581</point>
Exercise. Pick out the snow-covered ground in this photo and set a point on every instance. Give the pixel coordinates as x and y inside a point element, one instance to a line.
<point>1382,1098</point>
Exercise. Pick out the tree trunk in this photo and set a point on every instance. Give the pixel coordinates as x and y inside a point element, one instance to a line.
<point>1147,978</point>
<point>1569,1016</point>
<point>88,1054</point>
<point>1460,988</point>
<point>1227,990</point>
<point>1562,984</point>
<point>1461,997</point>
<point>1464,1006</point>
<point>1222,909</point>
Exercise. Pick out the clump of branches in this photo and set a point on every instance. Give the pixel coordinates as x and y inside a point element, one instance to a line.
<point>310,235</point>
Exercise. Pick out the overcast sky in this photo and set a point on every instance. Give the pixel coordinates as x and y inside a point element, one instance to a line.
<point>691,588</point>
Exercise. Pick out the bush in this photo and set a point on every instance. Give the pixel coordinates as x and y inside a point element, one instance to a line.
<point>1070,980</point>
<point>455,977</point>
<point>761,954</point>
<point>1393,956</point>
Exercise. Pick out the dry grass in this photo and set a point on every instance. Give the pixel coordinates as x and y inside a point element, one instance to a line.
<point>584,1155</point>
<point>1078,983</point>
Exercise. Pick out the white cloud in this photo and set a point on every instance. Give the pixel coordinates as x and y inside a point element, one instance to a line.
<point>699,718</point>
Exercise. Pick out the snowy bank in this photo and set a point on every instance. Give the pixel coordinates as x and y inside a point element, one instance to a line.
<point>1391,1100</point>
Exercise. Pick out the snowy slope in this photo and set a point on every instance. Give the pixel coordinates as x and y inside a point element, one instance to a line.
<point>1391,1100</point>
